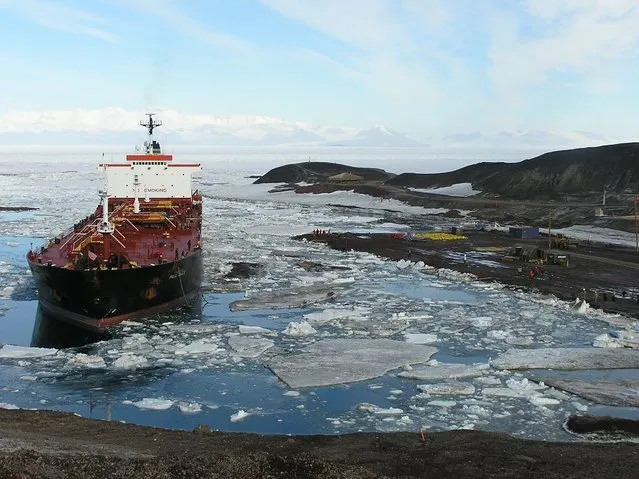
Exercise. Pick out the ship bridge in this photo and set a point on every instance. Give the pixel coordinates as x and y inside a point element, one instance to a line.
<point>150,174</point>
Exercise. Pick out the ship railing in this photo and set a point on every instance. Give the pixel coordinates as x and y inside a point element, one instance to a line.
<point>169,221</point>
<point>82,237</point>
<point>115,230</point>
<point>87,229</point>
<point>80,243</point>
<point>117,240</point>
<point>134,227</point>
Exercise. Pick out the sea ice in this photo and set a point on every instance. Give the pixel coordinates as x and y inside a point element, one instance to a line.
<point>256,330</point>
<point>240,415</point>
<point>189,407</point>
<point>620,392</point>
<point>9,351</point>
<point>481,322</point>
<point>248,347</point>
<point>198,346</point>
<point>130,361</point>
<point>330,314</point>
<point>303,328</point>
<point>440,371</point>
<point>290,298</point>
<point>516,388</point>
<point>156,404</point>
<point>447,389</point>
<point>336,361</point>
<point>367,326</point>
<point>420,338</point>
<point>87,361</point>
<point>580,306</point>
<point>442,403</point>
<point>373,409</point>
<point>567,358</point>
<point>543,401</point>
<point>617,339</point>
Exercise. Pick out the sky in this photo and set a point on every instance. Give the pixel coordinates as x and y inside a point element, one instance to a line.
<point>419,66</point>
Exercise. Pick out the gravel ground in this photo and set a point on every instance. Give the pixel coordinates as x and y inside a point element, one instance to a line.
<point>45,444</point>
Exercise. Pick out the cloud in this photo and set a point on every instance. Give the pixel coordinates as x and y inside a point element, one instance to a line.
<point>180,22</point>
<point>575,39</point>
<point>363,24</point>
<point>57,16</point>
<point>389,47</point>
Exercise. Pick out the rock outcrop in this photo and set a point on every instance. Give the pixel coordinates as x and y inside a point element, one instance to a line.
<point>316,172</point>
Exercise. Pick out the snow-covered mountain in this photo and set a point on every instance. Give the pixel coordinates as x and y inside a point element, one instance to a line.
<point>118,126</point>
<point>379,135</point>
<point>532,138</point>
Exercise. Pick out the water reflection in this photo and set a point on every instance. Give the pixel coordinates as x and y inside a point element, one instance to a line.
<point>51,332</point>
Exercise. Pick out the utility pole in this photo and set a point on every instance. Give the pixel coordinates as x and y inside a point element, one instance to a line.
<point>636,227</point>
<point>549,230</point>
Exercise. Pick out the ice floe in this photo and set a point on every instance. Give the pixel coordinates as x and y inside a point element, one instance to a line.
<point>249,347</point>
<point>620,392</point>
<point>291,298</point>
<point>130,361</point>
<point>199,346</point>
<point>617,339</point>
<point>156,404</point>
<point>189,407</point>
<point>86,361</point>
<point>256,330</point>
<point>437,371</point>
<point>567,358</point>
<point>523,388</point>
<point>336,361</point>
<point>447,389</point>
<point>8,351</point>
<point>303,328</point>
<point>240,415</point>
<point>420,338</point>
<point>380,411</point>
<point>331,314</point>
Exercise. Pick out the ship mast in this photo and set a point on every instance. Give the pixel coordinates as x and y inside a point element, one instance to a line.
<point>136,192</point>
<point>106,227</point>
<point>151,146</point>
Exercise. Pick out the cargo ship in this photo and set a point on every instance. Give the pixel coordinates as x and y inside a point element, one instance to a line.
<point>138,254</point>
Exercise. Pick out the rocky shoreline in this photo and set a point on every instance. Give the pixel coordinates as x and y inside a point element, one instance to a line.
<point>46,444</point>
<point>602,275</point>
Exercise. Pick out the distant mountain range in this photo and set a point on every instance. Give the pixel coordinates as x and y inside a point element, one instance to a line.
<point>118,126</point>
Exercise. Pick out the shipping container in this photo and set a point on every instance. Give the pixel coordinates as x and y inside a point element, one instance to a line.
<point>523,232</point>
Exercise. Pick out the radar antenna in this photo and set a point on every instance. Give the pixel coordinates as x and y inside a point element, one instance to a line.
<point>151,146</point>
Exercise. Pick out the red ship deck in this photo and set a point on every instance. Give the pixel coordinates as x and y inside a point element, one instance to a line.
<point>165,229</point>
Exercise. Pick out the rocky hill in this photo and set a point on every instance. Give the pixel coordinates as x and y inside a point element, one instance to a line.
<point>317,171</point>
<point>568,172</point>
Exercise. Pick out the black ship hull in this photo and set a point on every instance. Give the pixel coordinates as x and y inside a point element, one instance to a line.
<point>98,298</point>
